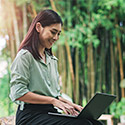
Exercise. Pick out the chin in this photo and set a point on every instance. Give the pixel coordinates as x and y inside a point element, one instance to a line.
<point>49,47</point>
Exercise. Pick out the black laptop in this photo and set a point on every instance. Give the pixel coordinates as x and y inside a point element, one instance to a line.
<point>95,107</point>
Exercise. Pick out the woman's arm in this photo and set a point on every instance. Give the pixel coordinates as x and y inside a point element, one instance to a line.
<point>33,98</point>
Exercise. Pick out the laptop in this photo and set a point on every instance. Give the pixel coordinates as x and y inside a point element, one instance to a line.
<point>94,109</point>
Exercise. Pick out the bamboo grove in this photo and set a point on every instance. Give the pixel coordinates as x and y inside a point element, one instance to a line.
<point>90,52</point>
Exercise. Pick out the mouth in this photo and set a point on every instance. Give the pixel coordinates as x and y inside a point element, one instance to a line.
<point>51,42</point>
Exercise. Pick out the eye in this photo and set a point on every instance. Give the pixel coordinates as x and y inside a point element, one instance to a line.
<point>58,34</point>
<point>54,33</point>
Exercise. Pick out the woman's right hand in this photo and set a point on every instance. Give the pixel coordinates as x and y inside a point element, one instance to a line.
<point>68,109</point>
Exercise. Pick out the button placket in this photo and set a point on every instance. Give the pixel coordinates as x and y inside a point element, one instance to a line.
<point>48,75</point>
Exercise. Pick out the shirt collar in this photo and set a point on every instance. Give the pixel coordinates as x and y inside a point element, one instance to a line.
<point>48,58</point>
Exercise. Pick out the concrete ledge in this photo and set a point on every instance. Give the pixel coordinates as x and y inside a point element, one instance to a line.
<point>10,120</point>
<point>108,118</point>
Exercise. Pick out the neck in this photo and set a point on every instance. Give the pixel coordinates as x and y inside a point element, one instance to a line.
<point>42,54</point>
<point>41,51</point>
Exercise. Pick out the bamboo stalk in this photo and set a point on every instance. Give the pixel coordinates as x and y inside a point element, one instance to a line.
<point>100,70</point>
<point>120,62</point>
<point>92,73</point>
<point>34,11</point>
<point>88,71</point>
<point>64,69</point>
<point>77,74</point>
<point>112,68</point>
<point>69,84</point>
<point>15,25</point>
<point>102,75</point>
<point>71,68</point>
<point>11,40</point>
<point>24,20</point>
<point>116,72</point>
<point>120,56</point>
<point>53,5</point>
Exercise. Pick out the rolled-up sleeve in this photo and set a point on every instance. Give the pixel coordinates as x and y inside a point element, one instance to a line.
<point>20,75</point>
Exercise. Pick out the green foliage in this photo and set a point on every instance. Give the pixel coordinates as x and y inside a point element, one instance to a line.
<point>84,102</point>
<point>118,109</point>
<point>122,83</point>
<point>4,87</point>
<point>21,2</point>
<point>6,106</point>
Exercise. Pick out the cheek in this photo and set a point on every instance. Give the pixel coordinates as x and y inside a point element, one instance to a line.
<point>57,37</point>
<point>47,35</point>
<point>40,37</point>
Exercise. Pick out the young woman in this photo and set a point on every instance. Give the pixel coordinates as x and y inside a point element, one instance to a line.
<point>34,76</point>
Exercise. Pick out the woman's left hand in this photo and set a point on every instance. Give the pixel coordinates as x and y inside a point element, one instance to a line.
<point>77,107</point>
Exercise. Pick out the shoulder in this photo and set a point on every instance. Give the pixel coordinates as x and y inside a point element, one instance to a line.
<point>23,52</point>
<point>23,56</point>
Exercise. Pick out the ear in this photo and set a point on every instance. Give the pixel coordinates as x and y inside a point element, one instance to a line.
<point>38,27</point>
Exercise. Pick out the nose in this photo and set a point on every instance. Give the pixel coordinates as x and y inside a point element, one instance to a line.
<point>56,37</point>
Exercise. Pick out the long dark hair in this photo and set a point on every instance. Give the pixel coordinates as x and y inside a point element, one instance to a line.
<point>31,41</point>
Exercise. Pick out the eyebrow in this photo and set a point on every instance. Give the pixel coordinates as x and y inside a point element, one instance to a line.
<point>56,30</point>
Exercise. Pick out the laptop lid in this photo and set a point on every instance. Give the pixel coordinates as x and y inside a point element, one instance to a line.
<point>96,106</point>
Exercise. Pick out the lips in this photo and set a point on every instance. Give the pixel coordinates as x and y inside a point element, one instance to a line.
<point>51,42</point>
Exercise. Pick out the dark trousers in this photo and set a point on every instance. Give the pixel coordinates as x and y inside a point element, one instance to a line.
<point>37,114</point>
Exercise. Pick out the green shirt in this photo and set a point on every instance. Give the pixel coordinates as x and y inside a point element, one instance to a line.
<point>28,74</point>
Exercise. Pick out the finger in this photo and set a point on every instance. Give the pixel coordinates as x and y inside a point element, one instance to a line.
<point>70,109</point>
<point>75,113</point>
<point>78,107</point>
<point>65,111</point>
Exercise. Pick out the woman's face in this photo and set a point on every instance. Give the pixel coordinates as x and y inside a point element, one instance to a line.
<point>49,35</point>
